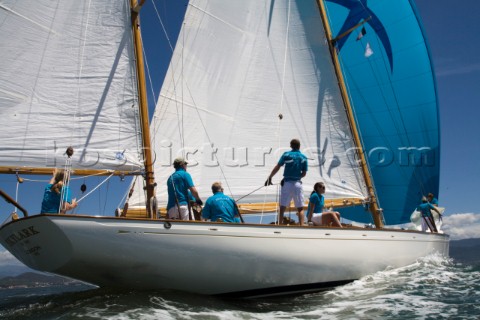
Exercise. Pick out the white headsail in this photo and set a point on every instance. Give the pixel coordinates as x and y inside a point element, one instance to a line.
<point>68,79</point>
<point>246,77</point>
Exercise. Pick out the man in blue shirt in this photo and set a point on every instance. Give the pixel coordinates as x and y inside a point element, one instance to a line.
<point>428,220</point>
<point>220,207</point>
<point>296,166</point>
<point>178,184</point>
<point>431,199</point>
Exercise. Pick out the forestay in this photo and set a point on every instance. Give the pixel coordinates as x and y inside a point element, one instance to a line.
<point>68,79</point>
<point>246,77</point>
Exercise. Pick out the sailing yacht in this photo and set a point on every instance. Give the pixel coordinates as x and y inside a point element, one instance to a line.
<point>351,79</point>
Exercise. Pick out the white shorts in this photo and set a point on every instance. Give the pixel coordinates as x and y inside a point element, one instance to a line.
<point>292,190</point>
<point>425,225</point>
<point>317,219</point>
<point>173,213</point>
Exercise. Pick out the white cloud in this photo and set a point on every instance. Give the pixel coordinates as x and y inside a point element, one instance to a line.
<point>448,70</point>
<point>462,225</point>
<point>7,259</point>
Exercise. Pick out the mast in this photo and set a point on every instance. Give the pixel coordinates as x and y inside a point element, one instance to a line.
<point>143,103</point>
<point>374,207</point>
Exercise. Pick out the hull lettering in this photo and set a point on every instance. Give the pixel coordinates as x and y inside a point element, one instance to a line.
<point>21,235</point>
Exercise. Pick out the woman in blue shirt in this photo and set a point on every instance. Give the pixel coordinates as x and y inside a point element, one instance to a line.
<point>315,207</point>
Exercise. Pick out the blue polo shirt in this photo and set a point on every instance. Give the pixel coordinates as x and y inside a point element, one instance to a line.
<point>295,163</point>
<point>183,181</point>
<point>425,208</point>
<point>220,206</point>
<point>51,199</point>
<point>434,201</point>
<point>318,200</point>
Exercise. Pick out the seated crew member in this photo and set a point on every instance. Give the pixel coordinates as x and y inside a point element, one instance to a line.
<point>315,207</point>
<point>220,207</point>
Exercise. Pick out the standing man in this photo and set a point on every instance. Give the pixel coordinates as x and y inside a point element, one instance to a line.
<point>431,199</point>
<point>428,221</point>
<point>220,207</point>
<point>296,166</point>
<point>178,184</point>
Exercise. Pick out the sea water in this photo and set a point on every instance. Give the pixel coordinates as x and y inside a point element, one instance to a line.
<point>431,288</point>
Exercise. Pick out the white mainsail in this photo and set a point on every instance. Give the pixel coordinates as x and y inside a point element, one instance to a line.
<point>247,77</point>
<point>68,79</point>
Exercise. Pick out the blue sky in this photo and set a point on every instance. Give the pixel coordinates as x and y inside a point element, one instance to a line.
<point>452,31</point>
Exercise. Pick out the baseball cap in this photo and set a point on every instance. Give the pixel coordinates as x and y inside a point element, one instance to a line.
<point>179,161</point>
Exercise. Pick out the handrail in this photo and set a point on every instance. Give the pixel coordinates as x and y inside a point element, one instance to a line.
<point>15,203</point>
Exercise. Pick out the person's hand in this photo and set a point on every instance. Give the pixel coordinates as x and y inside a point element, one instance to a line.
<point>283,182</point>
<point>268,182</point>
<point>199,202</point>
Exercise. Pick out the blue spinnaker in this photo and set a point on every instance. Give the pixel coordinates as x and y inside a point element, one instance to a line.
<point>391,84</point>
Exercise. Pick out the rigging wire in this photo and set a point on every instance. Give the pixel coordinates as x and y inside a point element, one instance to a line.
<point>16,196</point>
<point>163,26</point>
<point>108,178</point>
<point>66,181</point>
<point>101,173</point>
<point>287,33</point>
<point>80,71</point>
<point>282,94</point>
<point>136,106</point>
<point>183,95</point>
<point>124,198</point>
<point>149,76</point>
<point>106,196</point>
<point>172,68</point>
<point>151,89</point>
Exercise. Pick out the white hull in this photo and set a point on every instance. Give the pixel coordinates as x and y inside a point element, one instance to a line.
<point>210,258</point>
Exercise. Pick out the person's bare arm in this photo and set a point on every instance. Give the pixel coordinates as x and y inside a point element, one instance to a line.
<point>310,212</point>
<point>274,172</point>
<point>52,180</point>
<point>195,194</point>
<point>69,206</point>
